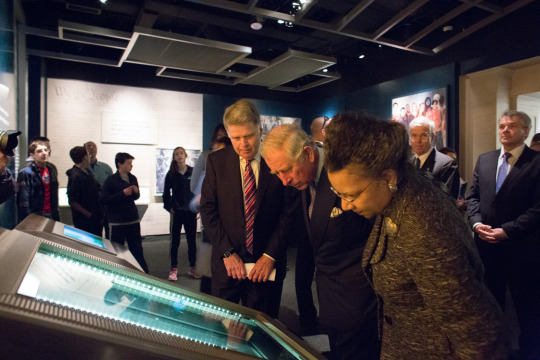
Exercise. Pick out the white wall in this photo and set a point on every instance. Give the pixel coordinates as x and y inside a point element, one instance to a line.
<point>134,120</point>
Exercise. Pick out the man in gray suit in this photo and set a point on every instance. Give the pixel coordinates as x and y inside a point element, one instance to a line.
<point>443,168</point>
<point>347,303</point>
<point>504,213</point>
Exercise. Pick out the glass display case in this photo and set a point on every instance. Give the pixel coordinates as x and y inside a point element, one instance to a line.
<point>106,308</point>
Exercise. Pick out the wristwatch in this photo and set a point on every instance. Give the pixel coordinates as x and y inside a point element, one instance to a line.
<point>228,253</point>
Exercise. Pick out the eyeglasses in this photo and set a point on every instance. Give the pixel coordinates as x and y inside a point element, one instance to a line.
<point>423,137</point>
<point>348,199</point>
<point>324,122</point>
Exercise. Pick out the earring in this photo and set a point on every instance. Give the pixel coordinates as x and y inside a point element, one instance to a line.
<point>392,188</point>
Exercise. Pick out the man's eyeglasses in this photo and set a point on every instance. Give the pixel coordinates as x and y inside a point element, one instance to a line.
<point>423,137</point>
<point>348,199</point>
<point>324,122</point>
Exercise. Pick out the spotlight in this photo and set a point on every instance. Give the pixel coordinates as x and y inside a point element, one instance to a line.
<point>281,22</point>
<point>325,70</point>
<point>103,1</point>
<point>256,23</point>
<point>361,56</point>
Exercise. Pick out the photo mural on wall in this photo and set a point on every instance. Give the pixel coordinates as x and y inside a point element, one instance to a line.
<point>163,163</point>
<point>431,104</point>
<point>269,122</point>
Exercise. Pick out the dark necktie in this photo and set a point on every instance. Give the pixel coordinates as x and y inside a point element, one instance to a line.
<point>249,204</point>
<point>503,171</point>
<point>417,162</point>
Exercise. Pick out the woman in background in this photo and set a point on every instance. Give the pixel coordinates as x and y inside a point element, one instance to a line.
<point>420,256</point>
<point>178,180</point>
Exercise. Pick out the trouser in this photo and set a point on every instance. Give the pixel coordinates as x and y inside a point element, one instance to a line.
<point>523,281</point>
<point>132,234</point>
<point>305,269</point>
<point>189,221</point>
<point>355,345</point>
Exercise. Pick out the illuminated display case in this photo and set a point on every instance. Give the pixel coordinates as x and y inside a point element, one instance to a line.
<point>58,302</point>
<point>77,239</point>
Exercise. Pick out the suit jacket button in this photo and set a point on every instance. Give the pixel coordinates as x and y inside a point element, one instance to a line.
<point>388,319</point>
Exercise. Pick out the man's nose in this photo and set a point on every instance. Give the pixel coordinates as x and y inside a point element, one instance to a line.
<point>284,179</point>
<point>345,205</point>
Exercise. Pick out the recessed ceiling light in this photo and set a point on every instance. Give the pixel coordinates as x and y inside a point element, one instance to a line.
<point>361,56</point>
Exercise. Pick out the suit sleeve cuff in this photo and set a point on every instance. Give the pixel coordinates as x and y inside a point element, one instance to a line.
<point>265,254</point>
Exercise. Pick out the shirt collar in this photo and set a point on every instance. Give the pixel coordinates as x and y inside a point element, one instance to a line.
<point>516,152</point>
<point>257,157</point>
<point>424,156</point>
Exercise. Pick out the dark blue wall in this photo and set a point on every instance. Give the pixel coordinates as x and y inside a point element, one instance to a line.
<point>375,99</point>
<point>214,106</point>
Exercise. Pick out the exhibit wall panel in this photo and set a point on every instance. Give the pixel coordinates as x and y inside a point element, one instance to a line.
<point>122,119</point>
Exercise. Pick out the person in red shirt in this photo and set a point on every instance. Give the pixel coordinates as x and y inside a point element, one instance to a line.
<point>38,185</point>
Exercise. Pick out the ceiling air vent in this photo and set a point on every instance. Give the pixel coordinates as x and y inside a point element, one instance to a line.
<point>83,9</point>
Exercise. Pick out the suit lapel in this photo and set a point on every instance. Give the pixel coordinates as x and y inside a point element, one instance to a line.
<point>490,170</point>
<point>324,203</point>
<point>264,178</point>
<point>305,211</point>
<point>232,174</point>
<point>517,169</point>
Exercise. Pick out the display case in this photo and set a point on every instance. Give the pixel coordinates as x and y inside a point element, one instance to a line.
<point>77,239</point>
<point>59,302</point>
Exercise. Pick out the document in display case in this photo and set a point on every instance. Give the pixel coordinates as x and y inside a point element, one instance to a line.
<point>105,310</point>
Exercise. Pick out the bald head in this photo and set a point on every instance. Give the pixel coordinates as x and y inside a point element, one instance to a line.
<point>317,128</point>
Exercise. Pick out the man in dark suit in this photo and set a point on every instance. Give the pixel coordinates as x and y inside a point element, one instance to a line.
<point>246,213</point>
<point>504,212</point>
<point>443,168</point>
<point>347,303</point>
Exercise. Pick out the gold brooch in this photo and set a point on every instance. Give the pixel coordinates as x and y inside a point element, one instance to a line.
<point>389,226</point>
<point>336,212</point>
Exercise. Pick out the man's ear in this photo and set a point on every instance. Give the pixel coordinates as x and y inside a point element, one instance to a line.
<point>308,150</point>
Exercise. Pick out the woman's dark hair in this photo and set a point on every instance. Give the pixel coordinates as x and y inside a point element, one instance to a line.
<point>369,144</point>
<point>226,141</point>
<point>174,164</point>
<point>217,129</point>
<point>447,150</point>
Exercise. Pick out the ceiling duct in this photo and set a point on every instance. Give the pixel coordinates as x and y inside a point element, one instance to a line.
<point>83,9</point>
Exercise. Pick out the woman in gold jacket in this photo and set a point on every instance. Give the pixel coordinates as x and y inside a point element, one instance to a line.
<point>420,257</point>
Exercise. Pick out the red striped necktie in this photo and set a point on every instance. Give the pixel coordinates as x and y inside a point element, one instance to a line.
<point>249,195</point>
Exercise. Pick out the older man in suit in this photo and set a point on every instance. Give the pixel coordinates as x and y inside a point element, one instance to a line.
<point>504,212</point>
<point>246,213</point>
<point>443,168</point>
<point>347,303</point>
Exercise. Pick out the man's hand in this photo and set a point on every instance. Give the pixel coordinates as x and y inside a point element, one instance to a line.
<point>262,269</point>
<point>235,267</point>
<point>493,236</point>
